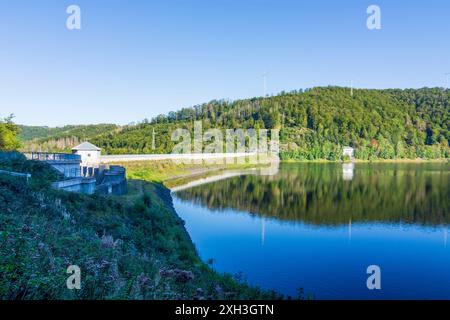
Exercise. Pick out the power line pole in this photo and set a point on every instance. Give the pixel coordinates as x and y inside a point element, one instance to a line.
<point>153,140</point>
<point>351,88</point>
<point>446,80</point>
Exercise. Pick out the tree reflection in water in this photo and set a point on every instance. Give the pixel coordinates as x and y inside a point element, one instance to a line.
<point>331,194</point>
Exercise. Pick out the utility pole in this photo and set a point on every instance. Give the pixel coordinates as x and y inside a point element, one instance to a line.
<point>446,80</point>
<point>153,140</point>
<point>351,88</point>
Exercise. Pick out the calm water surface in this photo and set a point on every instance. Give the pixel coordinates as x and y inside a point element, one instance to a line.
<point>319,226</point>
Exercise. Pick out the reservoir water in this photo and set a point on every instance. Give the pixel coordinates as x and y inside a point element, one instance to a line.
<point>316,228</point>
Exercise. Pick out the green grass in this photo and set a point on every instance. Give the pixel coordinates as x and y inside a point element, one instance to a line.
<point>171,173</point>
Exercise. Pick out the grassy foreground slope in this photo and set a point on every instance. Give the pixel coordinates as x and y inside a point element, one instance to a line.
<point>132,247</point>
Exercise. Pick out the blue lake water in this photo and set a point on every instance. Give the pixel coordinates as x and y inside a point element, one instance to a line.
<point>317,227</point>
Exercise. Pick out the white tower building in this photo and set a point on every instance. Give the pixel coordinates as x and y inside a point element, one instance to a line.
<point>90,157</point>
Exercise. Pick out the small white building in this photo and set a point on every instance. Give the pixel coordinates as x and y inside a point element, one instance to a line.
<point>90,154</point>
<point>348,151</point>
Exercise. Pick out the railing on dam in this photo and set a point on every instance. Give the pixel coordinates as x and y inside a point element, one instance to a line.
<point>27,176</point>
<point>48,156</point>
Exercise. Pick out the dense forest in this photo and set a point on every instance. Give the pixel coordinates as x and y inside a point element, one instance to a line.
<point>314,124</point>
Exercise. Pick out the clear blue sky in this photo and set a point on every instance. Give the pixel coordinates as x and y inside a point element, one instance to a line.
<point>136,59</point>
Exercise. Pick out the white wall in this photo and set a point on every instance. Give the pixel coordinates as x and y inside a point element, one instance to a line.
<point>70,170</point>
<point>156,157</point>
<point>89,158</point>
<point>79,185</point>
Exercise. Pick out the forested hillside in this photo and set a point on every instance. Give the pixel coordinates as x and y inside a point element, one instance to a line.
<point>61,138</point>
<point>315,124</point>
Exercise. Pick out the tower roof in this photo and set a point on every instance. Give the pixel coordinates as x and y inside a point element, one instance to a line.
<point>86,146</point>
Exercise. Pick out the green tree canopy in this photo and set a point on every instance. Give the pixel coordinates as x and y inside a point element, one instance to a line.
<point>9,134</point>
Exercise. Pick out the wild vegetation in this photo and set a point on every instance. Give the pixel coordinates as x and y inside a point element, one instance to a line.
<point>9,134</point>
<point>131,247</point>
<point>314,124</point>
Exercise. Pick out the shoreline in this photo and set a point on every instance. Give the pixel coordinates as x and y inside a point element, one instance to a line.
<point>221,279</point>
<point>172,174</point>
<point>443,160</point>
